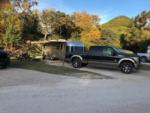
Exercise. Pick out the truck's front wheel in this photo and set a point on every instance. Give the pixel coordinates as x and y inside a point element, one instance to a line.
<point>76,63</point>
<point>127,67</point>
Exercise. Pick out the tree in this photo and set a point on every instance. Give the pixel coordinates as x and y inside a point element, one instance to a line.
<point>29,18</point>
<point>142,20</point>
<point>114,29</point>
<point>109,37</point>
<point>4,3</point>
<point>75,36</point>
<point>63,25</point>
<point>56,23</point>
<point>90,36</point>
<point>84,20</point>
<point>46,22</point>
<point>12,27</point>
<point>30,26</point>
<point>89,27</point>
<point>2,27</point>
<point>138,36</point>
<point>136,40</point>
<point>24,5</point>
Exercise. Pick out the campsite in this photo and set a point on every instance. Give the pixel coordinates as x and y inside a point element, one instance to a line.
<point>74,56</point>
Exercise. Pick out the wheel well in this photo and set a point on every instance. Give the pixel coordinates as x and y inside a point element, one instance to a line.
<point>126,61</point>
<point>75,58</point>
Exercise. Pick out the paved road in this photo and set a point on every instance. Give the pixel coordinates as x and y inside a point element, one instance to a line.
<point>23,91</point>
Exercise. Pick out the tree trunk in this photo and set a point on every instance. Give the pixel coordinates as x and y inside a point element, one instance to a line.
<point>11,47</point>
<point>45,37</point>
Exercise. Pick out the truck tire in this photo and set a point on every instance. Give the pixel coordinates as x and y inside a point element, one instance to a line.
<point>76,63</point>
<point>143,59</point>
<point>127,67</point>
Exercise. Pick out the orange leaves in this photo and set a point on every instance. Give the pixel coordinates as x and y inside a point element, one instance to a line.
<point>90,36</point>
<point>85,20</point>
<point>90,27</point>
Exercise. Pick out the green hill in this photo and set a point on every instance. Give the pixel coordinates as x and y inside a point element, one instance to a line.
<point>118,25</point>
<point>118,21</point>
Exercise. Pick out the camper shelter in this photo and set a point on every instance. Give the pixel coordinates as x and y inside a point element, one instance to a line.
<point>60,49</point>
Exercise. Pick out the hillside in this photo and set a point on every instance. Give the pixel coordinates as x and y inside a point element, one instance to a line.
<point>118,25</point>
<point>118,21</point>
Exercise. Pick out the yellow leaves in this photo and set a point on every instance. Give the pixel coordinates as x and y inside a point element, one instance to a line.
<point>136,36</point>
<point>26,5</point>
<point>11,24</point>
<point>2,25</point>
<point>90,27</point>
<point>4,4</point>
<point>13,21</point>
<point>91,35</point>
<point>84,20</point>
<point>145,34</point>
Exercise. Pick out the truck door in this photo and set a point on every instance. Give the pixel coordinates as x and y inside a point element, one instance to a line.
<point>95,55</point>
<point>109,56</point>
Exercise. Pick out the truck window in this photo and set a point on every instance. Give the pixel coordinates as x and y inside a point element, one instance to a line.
<point>95,51</point>
<point>77,49</point>
<point>108,51</point>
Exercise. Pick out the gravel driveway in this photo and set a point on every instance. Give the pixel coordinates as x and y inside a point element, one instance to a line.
<point>24,91</point>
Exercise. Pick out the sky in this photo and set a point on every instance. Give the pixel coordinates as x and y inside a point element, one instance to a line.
<point>105,9</point>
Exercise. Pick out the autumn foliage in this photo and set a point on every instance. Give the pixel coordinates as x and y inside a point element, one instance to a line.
<point>90,27</point>
<point>20,22</point>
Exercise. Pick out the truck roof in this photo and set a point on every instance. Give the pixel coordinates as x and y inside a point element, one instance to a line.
<point>101,46</point>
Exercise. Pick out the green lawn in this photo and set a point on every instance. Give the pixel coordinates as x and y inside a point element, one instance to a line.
<point>59,70</point>
<point>41,66</point>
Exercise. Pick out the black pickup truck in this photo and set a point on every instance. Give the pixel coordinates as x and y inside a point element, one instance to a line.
<point>4,59</point>
<point>107,56</point>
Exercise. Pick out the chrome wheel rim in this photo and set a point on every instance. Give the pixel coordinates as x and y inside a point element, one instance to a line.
<point>126,68</point>
<point>75,64</point>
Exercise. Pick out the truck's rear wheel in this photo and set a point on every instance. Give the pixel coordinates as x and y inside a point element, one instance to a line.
<point>127,67</point>
<point>76,63</point>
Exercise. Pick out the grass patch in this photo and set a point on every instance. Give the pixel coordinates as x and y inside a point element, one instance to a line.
<point>59,70</point>
<point>42,67</point>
